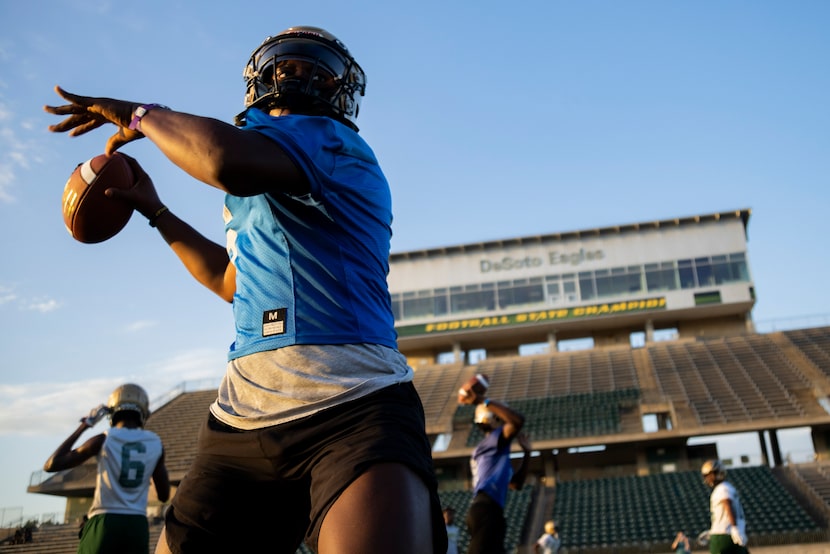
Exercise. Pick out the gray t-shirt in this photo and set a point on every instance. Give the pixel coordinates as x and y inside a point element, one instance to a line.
<point>277,386</point>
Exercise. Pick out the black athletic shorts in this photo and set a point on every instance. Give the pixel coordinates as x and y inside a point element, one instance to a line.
<point>274,486</point>
<point>486,525</point>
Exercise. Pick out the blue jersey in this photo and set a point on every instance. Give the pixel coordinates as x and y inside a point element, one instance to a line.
<point>312,269</point>
<point>491,467</point>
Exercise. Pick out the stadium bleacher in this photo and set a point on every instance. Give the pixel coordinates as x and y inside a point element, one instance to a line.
<point>61,539</point>
<point>814,344</point>
<point>575,415</point>
<point>639,510</point>
<point>632,503</point>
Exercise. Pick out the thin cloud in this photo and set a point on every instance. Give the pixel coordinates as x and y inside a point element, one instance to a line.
<point>43,306</point>
<point>17,152</point>
<point>6,180</point>
<point>48,408</point>
<point>7,296</point>
<point>140,325</point>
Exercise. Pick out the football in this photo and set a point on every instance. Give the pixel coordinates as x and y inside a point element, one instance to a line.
<point>478,383</point>
<point>89,215</point>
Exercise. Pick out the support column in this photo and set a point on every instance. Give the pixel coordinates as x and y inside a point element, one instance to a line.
<point>457,353</point>
<point>553,345</point>
<point>821,443</point>
<point>763,443</point>
<point>776,449</point>
<point>750,325</point>
<point>550,468</point>
<point>642,463</point>
<point>649,331</point>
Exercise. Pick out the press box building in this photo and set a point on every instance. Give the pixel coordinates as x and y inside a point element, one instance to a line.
<point>688,274</point>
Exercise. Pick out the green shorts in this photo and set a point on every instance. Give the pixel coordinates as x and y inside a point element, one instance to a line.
<point>722,544</point>
<point>115,534</point>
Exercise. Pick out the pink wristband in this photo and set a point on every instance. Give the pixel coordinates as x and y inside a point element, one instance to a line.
<point>140,112</point>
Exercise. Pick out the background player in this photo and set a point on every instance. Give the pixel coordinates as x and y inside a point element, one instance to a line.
<point>491,467</point>
<point>681,544</point>
<point>549,542</point>
<point>728,532</point>
<point>453,532</point>
<point>128,456</point>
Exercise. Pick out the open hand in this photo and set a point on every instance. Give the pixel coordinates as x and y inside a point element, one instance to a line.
<point>87,114</point>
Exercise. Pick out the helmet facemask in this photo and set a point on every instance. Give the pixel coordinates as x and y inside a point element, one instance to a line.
<point>307,71</point>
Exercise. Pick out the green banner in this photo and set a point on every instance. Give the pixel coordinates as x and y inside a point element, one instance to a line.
<point>539,316</point>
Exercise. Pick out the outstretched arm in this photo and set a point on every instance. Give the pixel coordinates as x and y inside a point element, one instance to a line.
<point>677,539</point>
<point>520,475</point>
<point>513,420</point>
<point>206,260</point>
<point>65,457</point>
<point>239,162</point>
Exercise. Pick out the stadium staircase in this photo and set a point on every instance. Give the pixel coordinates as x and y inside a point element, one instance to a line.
<point>811,483</point>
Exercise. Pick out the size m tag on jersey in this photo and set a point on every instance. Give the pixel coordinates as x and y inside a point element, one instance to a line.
<point>273,322</point>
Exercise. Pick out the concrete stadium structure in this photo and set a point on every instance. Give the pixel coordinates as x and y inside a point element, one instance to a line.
<point>662,314</point>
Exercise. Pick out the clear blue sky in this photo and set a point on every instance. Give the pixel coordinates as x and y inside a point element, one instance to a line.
<point>491,120</point>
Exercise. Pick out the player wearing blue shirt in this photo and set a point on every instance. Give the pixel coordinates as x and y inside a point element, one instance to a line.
<point>491,469</point>
<point>317,433</point>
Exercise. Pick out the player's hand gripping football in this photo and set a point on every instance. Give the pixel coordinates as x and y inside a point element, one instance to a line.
<point>142,195</point>
<point>87,113</point>
<point>474,391</point>
<point>470,395</point>
<point>96,414</point>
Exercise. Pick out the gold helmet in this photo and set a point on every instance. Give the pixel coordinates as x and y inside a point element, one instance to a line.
<point>713,467</point>
<point>129,397</point>
<point>550,527</point>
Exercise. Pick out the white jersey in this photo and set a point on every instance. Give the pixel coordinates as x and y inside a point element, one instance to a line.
<point>125,465</point>
<point>549,544</point>
<point>720,523</point>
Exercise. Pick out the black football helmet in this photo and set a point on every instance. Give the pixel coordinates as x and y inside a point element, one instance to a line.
<point>307,70</point>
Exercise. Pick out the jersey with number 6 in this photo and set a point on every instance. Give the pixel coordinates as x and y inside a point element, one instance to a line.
<point>125,465</point>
